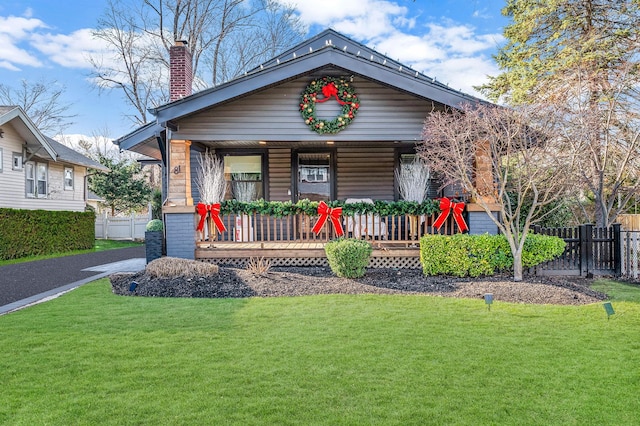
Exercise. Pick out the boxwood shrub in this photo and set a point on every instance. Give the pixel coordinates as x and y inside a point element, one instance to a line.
<point>348,257</point>
<point>475,255</point>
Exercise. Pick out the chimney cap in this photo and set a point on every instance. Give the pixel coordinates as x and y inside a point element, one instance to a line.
<point>181,43</point>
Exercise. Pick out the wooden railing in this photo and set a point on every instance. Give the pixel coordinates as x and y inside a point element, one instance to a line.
<point>298,228</point>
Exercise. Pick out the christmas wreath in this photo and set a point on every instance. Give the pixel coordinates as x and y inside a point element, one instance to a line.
<point>323,90</point>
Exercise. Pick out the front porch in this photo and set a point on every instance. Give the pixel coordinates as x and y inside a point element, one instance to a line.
<point>289,240</point>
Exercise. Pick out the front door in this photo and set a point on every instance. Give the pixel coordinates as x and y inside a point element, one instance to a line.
<point>315,176</point>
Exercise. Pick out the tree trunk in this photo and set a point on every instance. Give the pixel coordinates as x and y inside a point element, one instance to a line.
<point>517,266</point>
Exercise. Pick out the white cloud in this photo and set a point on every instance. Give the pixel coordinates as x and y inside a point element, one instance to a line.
<point>14,33</point>
<point>455,52</point>
<point>70,51</point>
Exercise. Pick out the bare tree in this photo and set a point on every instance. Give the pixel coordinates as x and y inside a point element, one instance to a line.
<point>42,101</point>
<point>225,37</point>
<point>501,157</point>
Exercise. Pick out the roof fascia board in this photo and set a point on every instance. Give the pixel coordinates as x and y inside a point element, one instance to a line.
<point>18,113</point>
<point>139,135</point>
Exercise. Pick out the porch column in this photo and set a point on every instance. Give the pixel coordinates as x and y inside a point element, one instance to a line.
<point>179,192</point>
<point>479,221</point>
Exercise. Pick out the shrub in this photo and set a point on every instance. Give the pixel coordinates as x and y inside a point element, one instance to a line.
<point>258,266</point>
<point>348,257</point>
<point>475,255</point>
<point>540,248</point>
<point>38,232</point>
<point>155,225</point>
<point>173,267</point>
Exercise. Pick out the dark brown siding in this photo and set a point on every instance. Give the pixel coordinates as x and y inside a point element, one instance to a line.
<point>365,173</point>
<point>279,174</point>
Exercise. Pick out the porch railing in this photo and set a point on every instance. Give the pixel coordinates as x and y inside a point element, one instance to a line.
<point>242,228</point>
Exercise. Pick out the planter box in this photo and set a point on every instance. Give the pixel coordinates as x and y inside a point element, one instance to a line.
<point>153,243</point>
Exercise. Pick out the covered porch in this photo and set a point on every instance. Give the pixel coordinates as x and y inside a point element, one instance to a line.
<point>290,241</point>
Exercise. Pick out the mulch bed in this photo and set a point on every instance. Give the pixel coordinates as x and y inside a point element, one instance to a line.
<point>304,281</point>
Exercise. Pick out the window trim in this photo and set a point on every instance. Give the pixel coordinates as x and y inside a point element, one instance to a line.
<point>1,161</point>
<point>36,181</point>
<point>20,164</point>
<point>263,153</point>
<point>333,175</point>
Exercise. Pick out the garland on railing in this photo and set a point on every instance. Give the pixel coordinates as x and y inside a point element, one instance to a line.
<point>287,208</point>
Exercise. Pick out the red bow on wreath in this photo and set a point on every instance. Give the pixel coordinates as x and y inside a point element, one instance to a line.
<point>213,209</point>
<point>446,207</point>
<point>326,212</point>
<point>329,91</point>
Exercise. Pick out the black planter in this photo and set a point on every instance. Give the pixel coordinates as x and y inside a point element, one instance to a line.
<point>153,244</point>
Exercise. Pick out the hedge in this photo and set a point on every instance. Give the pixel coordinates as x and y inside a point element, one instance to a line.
<point>26,233</point>
<point>475,255</point>
<point>348,257</point>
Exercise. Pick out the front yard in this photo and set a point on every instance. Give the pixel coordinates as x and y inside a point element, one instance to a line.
<point>90,357</point>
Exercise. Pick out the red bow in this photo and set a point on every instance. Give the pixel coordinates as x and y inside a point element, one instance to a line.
<point>327,212</point>
<point>214,209</point>
<point>328,91</point>
<point>446,206</point>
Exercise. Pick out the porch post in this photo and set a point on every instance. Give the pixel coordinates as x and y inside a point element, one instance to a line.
<point>179,192</point>
<point>178,210</point>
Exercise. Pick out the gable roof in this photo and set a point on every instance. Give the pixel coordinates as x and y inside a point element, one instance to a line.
<point>71,156</point>
<point>34,140</point>
<point>43,146</point>
<point>327,49</point>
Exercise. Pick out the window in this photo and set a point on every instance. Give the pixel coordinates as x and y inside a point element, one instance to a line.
<point>1,160</point>
<point>36,175</point>
<point>244,177</point>
<point>17,161</point>
<point>68,178</point>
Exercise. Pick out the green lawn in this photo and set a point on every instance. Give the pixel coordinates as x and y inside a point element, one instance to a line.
<point>99,245</point>
<point>90,357</point>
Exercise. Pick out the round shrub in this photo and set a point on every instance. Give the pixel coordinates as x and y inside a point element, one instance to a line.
<point>155,225</point>
<point>348,257</point>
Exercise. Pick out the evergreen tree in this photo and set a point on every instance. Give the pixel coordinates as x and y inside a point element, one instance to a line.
<point>123,187</point>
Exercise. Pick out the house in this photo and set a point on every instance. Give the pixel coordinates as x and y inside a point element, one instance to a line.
<point>36,172</point>
<point>329,119</point>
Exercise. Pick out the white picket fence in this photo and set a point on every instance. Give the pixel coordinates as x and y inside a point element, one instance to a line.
<point>121,227</point>
<point>630,254</point>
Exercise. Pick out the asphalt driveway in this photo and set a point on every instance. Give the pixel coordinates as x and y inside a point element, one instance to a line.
<point>23,281</point>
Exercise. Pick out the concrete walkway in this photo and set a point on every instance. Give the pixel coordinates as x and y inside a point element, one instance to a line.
<point>25,284</point>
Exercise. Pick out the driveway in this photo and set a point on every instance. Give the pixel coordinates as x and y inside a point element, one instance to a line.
<point>25,283</point>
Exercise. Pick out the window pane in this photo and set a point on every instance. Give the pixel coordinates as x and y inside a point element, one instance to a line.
<point>42,179</point>
<point>243,174</point>
<point>30,175</point>
<point>68,178</point>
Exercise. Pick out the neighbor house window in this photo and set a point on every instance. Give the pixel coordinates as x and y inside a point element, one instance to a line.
<point>17,161</point>
<point>1,159</point>
<point>68,178</point>
<point>36,175</point>
<point>244,177</point>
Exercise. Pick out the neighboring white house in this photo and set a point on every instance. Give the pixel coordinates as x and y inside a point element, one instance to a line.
<point>37,172</point>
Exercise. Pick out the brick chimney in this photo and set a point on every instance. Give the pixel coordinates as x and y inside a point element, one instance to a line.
<point>181,71</point>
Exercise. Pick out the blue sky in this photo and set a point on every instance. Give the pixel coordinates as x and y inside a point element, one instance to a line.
<point>451,40</point>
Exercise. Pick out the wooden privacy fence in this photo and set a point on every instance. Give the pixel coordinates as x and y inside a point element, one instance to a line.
<point>590,251</point>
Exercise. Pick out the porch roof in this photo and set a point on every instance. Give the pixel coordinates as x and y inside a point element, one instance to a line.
<point>327,49</point>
